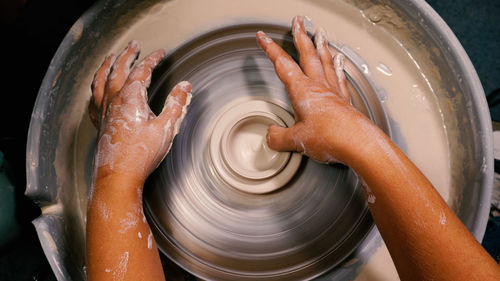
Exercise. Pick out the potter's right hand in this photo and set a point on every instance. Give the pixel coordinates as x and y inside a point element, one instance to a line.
<point>328,128</point>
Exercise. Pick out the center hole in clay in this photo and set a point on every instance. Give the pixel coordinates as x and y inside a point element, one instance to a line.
<point>238,146</point>
<point>245,147</point>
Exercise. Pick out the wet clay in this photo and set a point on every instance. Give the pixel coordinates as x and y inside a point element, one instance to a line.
<point>410,102</point>
<point>238,146</point>
<point>247,148</point>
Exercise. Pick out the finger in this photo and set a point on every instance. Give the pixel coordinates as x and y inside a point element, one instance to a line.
<point>286,68</point>
<point>142,71</point>
<point>308,57</point>
<point>98,85</point>
<point>99,82</point>
<point>326,59</point>
<point>175,109</point>
<point>338,63</point>
<point>280,138</point>
<point>121,67</point>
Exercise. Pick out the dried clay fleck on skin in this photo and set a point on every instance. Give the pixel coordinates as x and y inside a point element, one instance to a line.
<point>128,222</point>
<point>338,63</point>
<point>319,40</point>
<point>370,197</point>
<point>150,240</point>
<point>121,269</point>
<point>442,218</point>
<point>103,209</point>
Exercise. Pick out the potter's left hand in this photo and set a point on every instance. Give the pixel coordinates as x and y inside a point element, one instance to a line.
<point>419,229</point>
<point>328,128</point>
<point>132,141</point>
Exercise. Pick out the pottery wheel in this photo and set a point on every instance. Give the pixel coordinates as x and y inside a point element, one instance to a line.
<point>224,215</point>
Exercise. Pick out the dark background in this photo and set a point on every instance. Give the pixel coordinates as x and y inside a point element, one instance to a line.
<point>30,33</point>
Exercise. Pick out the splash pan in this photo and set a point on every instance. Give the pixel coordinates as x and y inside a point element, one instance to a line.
<point>314,219</point>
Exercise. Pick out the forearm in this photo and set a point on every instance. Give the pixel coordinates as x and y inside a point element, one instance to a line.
<point>120,245</point>
<point>425,238</point>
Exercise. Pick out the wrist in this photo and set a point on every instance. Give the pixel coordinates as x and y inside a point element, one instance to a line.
<point>373,153</point>
<point>118,172</point>
<point>118,181</point>
<point>364,145</point>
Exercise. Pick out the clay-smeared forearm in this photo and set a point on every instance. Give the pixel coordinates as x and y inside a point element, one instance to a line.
<point>120,244</point>
<point>426,239</point>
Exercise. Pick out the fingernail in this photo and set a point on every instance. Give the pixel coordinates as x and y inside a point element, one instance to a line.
<point>263,37</point>
<point>296,24</point>
<point>111,57</point>
<point>133,44</point>
<point>185,86</point>
<point>161,53</point>
<point>307,23</point>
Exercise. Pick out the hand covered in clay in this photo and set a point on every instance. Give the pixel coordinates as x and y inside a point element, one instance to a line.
<point>326,122</point>
<point>132,141</point>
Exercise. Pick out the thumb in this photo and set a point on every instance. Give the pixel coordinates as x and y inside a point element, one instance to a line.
<point>280,138</point>
<point>175,108</point>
